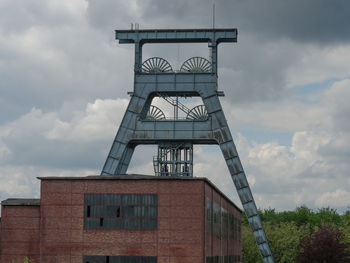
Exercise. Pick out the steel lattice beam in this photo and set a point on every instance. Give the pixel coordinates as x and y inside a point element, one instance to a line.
<point>137,129</point>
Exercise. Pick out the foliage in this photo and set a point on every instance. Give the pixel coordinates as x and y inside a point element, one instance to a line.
<point>302,216</point>
<point>324,245</point>
<point>250,252</point>
<point>283,238</point>
<point>286,231</point>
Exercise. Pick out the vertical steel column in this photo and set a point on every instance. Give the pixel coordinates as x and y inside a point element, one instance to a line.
<point>214,56</point>
<point>138,56</point>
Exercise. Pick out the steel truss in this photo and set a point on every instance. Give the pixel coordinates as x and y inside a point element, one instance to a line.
<point>136,128</point>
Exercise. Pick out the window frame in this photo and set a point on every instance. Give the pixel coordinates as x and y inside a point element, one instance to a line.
<point>130,215</point>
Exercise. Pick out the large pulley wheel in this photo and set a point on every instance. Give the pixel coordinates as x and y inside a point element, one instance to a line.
<point>156,65</point>
<point>196,65</point>
<point>198,113</point>
<point>154,113</point>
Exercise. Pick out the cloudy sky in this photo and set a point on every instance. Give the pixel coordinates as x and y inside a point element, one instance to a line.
<point>64,81</point>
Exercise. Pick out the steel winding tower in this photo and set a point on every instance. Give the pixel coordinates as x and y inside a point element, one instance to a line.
<point>144,123</point>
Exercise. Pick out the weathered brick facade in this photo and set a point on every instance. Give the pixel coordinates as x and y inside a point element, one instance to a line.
<point>20,224</point>
<point>186,231</point>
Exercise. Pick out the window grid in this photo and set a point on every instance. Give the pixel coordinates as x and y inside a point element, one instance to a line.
<point>225,259</point>
<point>119,259</point>
<point>216,215</point>
<point>120,211</point>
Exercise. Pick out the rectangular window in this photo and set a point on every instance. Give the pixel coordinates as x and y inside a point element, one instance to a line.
<point>119,259</point>
<point>221,222</point>
<point>216,219</point>
<point>120,211</point>
<point>224,222</point>
<point>208,210</point>
<point>234,227</point>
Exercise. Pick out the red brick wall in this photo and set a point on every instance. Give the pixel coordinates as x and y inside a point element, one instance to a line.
<point>179,238</point>
<point>180,217</point>
<point>19,232</point>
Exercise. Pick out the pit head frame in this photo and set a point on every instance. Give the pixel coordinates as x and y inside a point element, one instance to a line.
<point>144,124</point>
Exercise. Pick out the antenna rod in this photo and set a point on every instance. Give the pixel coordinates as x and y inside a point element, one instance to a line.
<point>213,15</point>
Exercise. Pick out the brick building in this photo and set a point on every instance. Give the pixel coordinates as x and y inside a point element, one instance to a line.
<point>122,219</point>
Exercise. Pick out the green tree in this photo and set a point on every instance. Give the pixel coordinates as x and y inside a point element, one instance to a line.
<point>250,252</point>
<point>286,229</point>
<point>283,238</point>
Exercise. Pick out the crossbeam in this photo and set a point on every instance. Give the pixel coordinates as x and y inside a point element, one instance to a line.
<point>216,35</point>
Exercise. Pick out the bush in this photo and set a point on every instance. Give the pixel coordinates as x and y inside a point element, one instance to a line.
<point>325,245</point>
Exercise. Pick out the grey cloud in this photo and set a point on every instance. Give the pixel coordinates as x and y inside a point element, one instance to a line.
<point>76,140</point>
<point>79,65</point>
<point>315,21</point>
<point>252,71</point>
<point>56,154</point>
<point>18,16</point>
<point>337,100</point>
<point>337,151</point>
<point>306,21</point>
<point>107,15</point>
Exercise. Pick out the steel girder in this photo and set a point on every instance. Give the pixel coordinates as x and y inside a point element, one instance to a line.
<point>136,129</point>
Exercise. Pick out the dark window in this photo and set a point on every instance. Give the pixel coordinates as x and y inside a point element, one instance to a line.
<point>88,211</point>
<point>221,222</point>
<point>120,211</point>
<point>119,259</point>
<point>113,211</point>
<point>92,259</point>
<point>224,222</point>
<point>238,229</point>
<point>216,219</point>
<point>209,214</point>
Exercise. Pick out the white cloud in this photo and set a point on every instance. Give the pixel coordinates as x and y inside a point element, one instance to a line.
<point>21,182</point>
<point>281,115</point>
<point>15,181</point>
<point>96,123</point>
<point>339,197</point>
<point>317,161</point>
<point>285,177</point>
<point>44,139</point>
